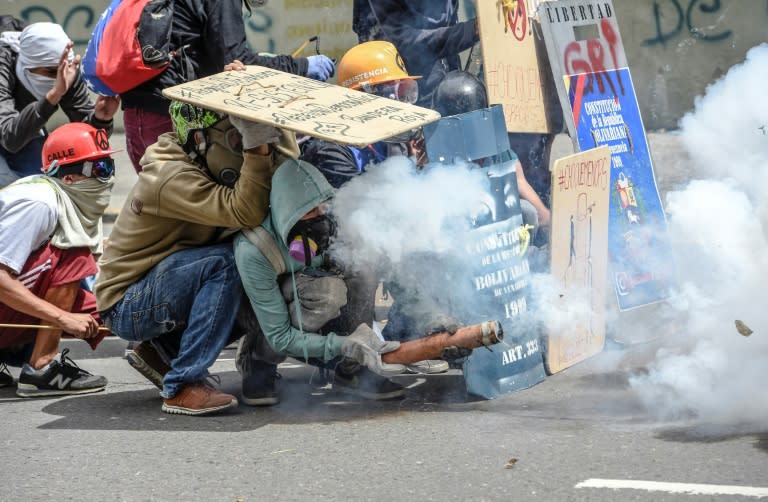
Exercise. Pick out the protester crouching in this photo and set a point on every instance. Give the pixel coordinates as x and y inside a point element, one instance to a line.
<point>300,300</point>
<point>169,273</point>
<point>50,228</point>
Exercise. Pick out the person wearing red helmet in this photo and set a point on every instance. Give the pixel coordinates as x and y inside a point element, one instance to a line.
<point>50,228</point>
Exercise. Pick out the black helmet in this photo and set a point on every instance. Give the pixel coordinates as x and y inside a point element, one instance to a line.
<point>337,162</point>
<point>459,92</point>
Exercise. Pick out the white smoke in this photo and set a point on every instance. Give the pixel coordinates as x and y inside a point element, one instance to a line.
<point>394,210</point>
<point>718,227</point>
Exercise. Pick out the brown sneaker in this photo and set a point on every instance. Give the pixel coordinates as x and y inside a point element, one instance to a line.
<point>198,399</point>
<point>147,360</point>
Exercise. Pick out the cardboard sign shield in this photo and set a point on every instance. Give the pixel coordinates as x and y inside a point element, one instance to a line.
<point>514,63</point>
<point>579,257</point>
<point>303,105</point>
<point>496,248</point>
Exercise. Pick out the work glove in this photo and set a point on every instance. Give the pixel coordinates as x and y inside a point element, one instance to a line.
<point>366,348</point>
<point>253,133</point>
<point>320,67</point>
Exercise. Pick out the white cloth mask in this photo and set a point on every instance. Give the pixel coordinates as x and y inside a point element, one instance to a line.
<point>40,46</point>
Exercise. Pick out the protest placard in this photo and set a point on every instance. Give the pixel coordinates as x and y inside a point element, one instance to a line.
<point>303,105</point>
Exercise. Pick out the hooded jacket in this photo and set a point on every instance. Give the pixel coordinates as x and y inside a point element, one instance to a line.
<point>22,117</point>
<point>175,204</point>
<point>213,34</point>
<point>297,188</point>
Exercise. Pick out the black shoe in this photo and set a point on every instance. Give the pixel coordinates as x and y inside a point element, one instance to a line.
<point>146,359</point>
<point>6,378</point>
<point>61,377</point>
<point>259,385</point>
<point>367,384</point>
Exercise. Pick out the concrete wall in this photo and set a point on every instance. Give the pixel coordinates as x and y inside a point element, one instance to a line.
<point>675,48</point>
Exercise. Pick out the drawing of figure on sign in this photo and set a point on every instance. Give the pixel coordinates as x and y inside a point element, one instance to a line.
<point>322,129</point>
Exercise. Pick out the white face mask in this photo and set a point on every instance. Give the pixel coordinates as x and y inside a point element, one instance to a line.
<point>40,46</point>
<point>38,85</point>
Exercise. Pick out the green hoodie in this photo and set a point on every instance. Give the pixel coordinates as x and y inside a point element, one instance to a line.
<point>297,188</point>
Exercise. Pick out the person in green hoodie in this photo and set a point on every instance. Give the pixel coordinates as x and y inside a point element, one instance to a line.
<point>299,297</point>
<point>168,271</point>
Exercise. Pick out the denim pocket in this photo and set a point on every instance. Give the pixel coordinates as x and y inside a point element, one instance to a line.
<point>154,321</point>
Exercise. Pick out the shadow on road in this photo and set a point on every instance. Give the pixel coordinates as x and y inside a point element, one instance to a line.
<point>717,433</point>
<point>301,403</point>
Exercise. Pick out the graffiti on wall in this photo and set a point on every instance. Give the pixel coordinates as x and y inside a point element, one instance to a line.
<point>78,22</point>
<point>671,20</point>
<point>259,23</point>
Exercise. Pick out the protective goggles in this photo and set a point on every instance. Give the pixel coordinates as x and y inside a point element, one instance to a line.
<point>102,169</point>
<point>406,91</point>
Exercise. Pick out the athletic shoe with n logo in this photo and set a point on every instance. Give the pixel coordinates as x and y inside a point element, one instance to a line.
<point>59,378</point>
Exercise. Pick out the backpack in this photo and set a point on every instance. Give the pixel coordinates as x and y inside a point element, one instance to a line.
<point>130,44</point>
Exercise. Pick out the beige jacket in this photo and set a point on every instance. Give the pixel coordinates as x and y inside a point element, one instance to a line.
<point>175,205</point>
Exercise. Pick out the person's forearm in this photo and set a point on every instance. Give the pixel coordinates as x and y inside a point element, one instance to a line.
<point>300,344</point>
<point>19,298</point>
<point>19,128</point>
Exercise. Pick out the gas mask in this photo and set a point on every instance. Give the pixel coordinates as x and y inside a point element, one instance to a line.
<point>221,147</point>
<point>309,238</point>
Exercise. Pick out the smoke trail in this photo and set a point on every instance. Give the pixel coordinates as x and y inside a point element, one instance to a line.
<point>718,226</point>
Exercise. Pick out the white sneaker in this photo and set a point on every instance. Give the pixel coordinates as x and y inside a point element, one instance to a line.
<point>428,367</point>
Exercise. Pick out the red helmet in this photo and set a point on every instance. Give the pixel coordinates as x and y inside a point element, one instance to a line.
<point>74,143</point>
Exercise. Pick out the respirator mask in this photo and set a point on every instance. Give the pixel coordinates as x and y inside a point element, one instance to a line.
<point>221,147</point>
<point>309,238</point>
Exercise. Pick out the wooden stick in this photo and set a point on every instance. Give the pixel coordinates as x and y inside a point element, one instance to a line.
<point>39,326</point>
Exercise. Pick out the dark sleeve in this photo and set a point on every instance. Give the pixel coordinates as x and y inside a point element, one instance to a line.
<point>401,28</point>
<point>78,107</point>
<point>225,35</point>
<point>18,127</point>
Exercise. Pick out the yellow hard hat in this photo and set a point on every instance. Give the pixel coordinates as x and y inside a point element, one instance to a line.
<point>371,63</point>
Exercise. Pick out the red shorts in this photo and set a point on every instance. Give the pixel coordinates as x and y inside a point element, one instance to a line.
<point>48,268</point>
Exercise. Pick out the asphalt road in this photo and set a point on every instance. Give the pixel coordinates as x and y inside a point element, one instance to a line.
<point>582,434</point>
<point>537,444</point>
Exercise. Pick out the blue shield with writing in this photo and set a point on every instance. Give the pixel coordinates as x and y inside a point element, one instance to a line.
<point>495,251</point>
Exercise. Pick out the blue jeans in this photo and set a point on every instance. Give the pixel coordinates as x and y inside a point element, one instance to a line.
<point>194,291</point>
<point>25,162</point>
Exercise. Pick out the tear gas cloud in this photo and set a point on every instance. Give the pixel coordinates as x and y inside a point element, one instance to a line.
<point>411,228</point>
<point>718,228</point>
<point>395,210</point>
<point>717,225</point>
